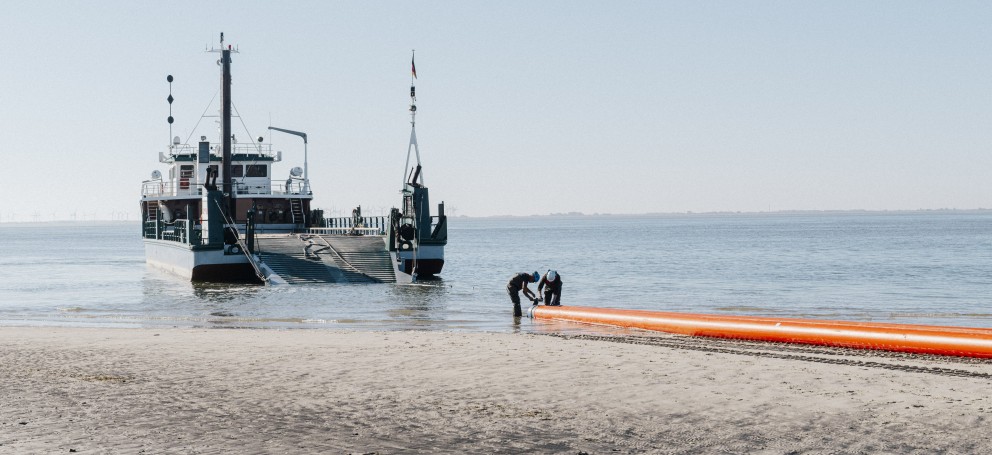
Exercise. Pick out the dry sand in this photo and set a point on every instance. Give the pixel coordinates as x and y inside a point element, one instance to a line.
<point>308,391</point>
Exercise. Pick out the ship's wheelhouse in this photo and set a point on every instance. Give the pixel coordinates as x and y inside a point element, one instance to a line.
<point>278,204</point>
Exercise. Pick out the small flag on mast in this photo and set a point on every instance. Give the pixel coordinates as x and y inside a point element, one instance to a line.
<point>413,67</point>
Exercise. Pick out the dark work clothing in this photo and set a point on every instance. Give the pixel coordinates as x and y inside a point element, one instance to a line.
<point>514,295</point>
<point>519,279</point>
<point>516,284</point>
<point>556,284</point>
<point>551,297</point>
<point>552,290</point>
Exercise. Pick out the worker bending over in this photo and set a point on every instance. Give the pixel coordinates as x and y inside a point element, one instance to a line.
<point>551,285</point>
<point>518,283</point>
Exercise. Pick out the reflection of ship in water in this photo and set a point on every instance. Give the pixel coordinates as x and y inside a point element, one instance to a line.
<point>220,216</point>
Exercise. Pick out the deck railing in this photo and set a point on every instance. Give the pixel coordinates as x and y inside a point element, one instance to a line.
<point>377,224</point>
<point>345,231</point>
<point>236,148</point>
<point>175,231</point>
<point>368,225</point>
<point>184,231</point>
<point>186,189</point>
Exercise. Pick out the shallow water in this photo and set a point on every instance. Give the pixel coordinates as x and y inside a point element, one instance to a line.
<point>920,267</point>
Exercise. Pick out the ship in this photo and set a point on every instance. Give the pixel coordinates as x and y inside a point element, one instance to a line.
<point>220,215</point>
<point>416,239</point>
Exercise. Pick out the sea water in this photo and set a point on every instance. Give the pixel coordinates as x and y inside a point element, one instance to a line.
<point>914,267</point>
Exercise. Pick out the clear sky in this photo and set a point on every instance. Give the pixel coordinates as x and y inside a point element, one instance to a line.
<point>524,107</point>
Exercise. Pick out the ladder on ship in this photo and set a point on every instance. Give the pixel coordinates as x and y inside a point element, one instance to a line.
<point>296,209</point>
<point>149,227</point>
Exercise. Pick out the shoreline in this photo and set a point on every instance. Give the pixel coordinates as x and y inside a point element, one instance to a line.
<point>174,390</point>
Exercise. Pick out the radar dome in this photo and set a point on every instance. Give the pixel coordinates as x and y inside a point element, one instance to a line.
<point>296,171</point>
<point>156,175</point>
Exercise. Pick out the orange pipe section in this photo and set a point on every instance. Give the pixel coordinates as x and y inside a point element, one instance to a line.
<point>919,339</point>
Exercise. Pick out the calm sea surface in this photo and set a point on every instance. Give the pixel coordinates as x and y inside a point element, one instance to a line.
<point>921,267</point>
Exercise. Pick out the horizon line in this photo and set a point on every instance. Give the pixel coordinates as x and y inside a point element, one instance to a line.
<point>596,214</point>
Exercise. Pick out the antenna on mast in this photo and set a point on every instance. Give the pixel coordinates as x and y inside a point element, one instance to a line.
<point>413,88</point>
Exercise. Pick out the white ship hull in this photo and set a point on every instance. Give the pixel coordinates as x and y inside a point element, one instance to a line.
<point>199,264</point>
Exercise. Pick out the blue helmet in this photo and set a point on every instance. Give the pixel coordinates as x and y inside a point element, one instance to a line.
<point>537,277</point>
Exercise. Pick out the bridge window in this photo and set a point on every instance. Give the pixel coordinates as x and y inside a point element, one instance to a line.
<point>237,170</point>
<point>256,170</point>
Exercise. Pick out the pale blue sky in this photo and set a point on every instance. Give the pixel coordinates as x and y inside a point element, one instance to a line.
<point>524,107</point>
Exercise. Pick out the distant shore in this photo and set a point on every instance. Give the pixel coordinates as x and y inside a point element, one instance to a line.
<point>307,391</point>
<point>592,215</point>
<point>729,213</point>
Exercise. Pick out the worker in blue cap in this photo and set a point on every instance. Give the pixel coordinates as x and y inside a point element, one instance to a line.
<point>519,283</point>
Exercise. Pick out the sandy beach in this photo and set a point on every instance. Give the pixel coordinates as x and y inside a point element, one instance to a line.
<point>204,391</point>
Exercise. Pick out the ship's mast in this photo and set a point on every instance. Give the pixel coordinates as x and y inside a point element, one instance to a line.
<point>418,175</point>
<point>225,115</point>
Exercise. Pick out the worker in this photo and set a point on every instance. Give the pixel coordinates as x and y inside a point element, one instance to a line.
<point>551,285</point>
<point>518,283</point>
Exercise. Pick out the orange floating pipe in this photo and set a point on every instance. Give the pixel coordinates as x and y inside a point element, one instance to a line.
<point>919,339</point>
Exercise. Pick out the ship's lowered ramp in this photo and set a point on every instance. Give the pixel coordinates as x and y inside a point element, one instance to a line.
<point>306,258</point>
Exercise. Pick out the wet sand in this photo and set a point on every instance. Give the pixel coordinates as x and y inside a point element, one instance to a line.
<point>305,391</point>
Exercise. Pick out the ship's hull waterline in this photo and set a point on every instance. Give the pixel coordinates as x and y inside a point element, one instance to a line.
<point>211,265</point>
